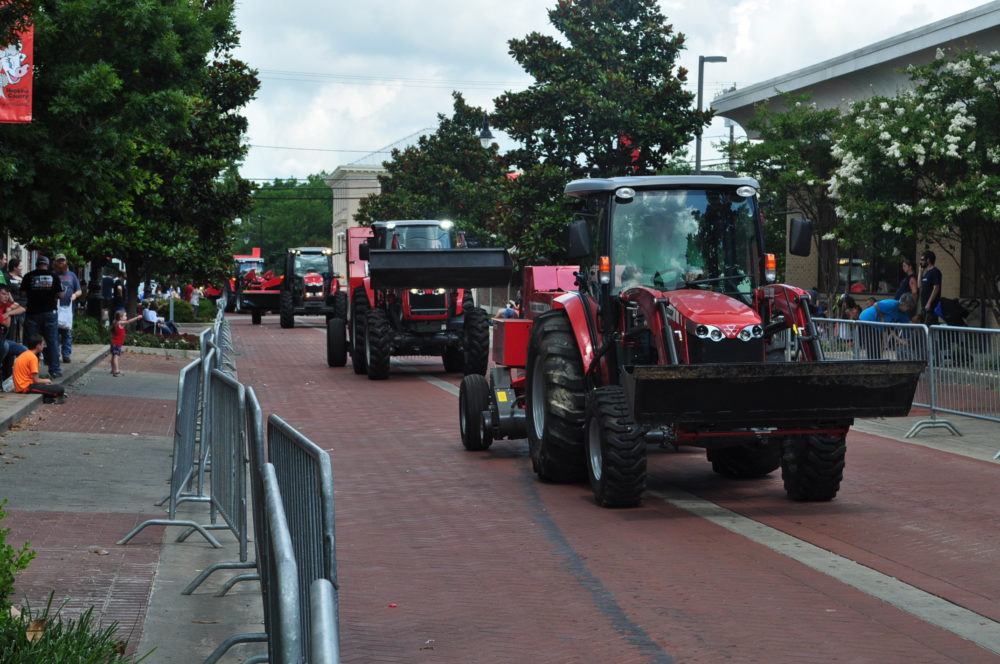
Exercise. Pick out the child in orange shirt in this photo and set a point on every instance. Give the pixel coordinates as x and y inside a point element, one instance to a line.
<point>26,378</point>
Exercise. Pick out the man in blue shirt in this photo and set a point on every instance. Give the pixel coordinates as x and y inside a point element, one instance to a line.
<point>885,311</point>
<point>71,290</point>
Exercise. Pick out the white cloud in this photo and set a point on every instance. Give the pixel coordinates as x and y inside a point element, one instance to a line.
<point>457,43</point>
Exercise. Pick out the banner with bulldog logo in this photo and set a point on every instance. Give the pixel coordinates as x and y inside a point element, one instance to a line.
<point>16,62</point>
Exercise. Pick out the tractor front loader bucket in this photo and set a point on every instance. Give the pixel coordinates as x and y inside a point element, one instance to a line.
<point>779,394</point>
<point>439,268</point>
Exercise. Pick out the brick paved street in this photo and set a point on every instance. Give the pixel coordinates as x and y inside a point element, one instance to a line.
<point>483,563</point>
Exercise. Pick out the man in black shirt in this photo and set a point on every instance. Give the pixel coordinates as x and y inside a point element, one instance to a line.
<point>930,286</point>
<point>42,289</point>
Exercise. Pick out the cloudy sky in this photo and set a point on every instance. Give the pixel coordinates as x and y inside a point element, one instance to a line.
<point>340,80</point>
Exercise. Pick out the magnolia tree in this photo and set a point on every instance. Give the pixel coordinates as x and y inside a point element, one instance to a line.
<point>925,165</point>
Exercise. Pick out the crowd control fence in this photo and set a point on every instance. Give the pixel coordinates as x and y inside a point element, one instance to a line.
<point>963,364</point>
<point>220,433</point>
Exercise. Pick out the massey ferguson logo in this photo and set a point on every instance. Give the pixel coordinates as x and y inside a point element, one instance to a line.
<point>728,330</point>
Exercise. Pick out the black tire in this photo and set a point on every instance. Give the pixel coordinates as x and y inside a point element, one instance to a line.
<point>473,399</point>
<point>467,301</point>
<point>255,316</point>
<point>556,400</point>
<point>476,341</point>
<point>742,462</point>
<point>287,312</point>
<point>359,306</point>
<point>377,339</point>
<point>336,342</point>
<point>812,466</point>
<point>616,449</point>
<point>339,306</point>
<point>228,298</point>
<point>453,359</point>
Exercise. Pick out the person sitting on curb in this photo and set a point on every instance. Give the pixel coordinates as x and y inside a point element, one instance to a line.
<point>26,380</point>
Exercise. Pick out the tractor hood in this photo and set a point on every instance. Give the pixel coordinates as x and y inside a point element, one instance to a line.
<point>709,308</point>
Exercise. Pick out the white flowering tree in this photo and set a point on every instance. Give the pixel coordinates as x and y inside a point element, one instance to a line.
<point>925,165</point>
<point>792,160</point>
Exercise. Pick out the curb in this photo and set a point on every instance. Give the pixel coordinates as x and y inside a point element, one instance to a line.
<point>164,352</point>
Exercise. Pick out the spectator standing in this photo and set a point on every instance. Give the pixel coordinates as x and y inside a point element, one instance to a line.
<point>195,300</point>
<point>118,339</point>
<point>26,378</point>
<point>4,275</point>
<point>71,291</point>
<point>42,289</point>
<point>107,295</point>
<point>909,282</point>
<point>930,287</point>
<point>14,274</point>
<point>118,293</point>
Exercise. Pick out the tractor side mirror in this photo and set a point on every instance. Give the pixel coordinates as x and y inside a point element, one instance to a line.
<point>577,240</point>
<point>800,236</point>
<point>363,251</point>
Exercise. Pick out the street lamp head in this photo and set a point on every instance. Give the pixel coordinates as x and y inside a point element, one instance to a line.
<point>712,58</point>
<point>485,135</point>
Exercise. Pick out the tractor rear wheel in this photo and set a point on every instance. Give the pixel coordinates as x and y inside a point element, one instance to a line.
<point>743,462</point>
<point>616,449</point>
<point>556,400</point>
<point>812,466</point>
<point>287,312</point>
<point>473,399</point>
<point>476,341</point>
<point>255,316</point>
<point>359,305</point>
<point>336,342</point>
<point>453,359</point>
<point>377,340</point>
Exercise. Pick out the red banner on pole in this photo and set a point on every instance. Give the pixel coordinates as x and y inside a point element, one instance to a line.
<point>16,63</point>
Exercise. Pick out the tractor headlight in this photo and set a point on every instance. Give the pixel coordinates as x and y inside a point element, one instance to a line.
<point>708,332</point>
<point>751,332</point>
<point>715,334</point>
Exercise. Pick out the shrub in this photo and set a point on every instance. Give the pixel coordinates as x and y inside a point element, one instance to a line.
<point>89,330</point>
<point>176,341</point>
<point>12,561</point>
<point>44,637</point>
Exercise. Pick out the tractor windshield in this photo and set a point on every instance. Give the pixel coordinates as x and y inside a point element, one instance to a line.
<point>676,238</point>
<point>419,237</point>
<point>247,265</point>
<point>317,262</point>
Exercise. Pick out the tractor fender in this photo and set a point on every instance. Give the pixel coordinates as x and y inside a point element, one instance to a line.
<point>370,291</point>
<point>572,303</point>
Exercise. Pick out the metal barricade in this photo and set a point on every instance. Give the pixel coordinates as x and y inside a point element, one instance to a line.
<point>182,470</point>
<point>227,432</point>
<point>965,365</point>
<point>305,479</point>
<point>324,647</point>
<point>279,583</point>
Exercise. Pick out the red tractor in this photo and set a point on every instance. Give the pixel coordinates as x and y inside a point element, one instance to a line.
<point>672,332</point>
<point>242,264</point>
<point>408,282</point>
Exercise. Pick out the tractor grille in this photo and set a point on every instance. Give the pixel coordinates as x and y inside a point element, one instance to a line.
<point>428,305</point>
<point>705,351</point>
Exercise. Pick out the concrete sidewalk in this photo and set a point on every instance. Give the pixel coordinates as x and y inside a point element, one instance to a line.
<point>80,475</point>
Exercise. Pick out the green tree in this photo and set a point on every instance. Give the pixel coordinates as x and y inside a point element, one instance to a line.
<point>15,15</point>
<point>446,175</point>
<point>132,150</point>
<point>287,213</point>
<point>791,158</point>
<point>925,165</point>
<point>607,99</point>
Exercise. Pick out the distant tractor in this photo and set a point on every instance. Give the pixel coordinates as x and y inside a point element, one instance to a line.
<point>310,287</point>
<point>409,284</point>
<point>242,264</point>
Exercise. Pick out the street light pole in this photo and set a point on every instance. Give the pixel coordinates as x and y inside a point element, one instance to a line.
<point>702,59</point>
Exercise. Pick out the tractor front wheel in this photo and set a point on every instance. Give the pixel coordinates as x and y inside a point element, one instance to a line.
<point>377,341</point>
<point>287,312</point>
<point>339,306</point>
<point>556,400</point>
<point>812,466</point>
<point>229,298</point>
<point>616,449</point>
<point>476,341</point>
<point>473,399</point>
<point>359,307</point>
<point>336,342</point>
<point>743,462</point>
<point>256,316</point>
